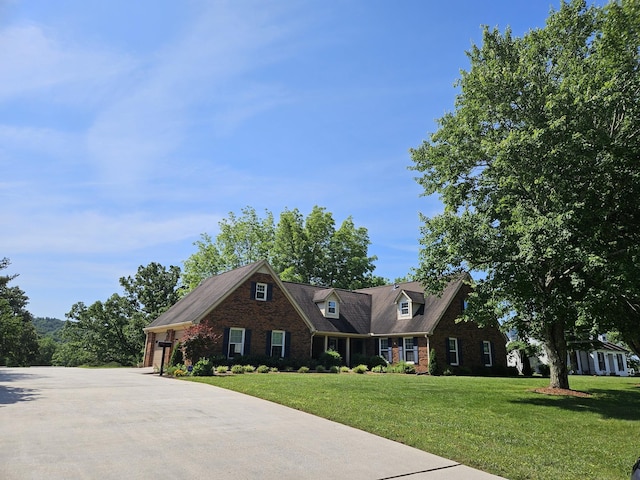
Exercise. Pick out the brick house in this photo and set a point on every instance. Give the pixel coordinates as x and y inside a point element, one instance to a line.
<point>255,313</point>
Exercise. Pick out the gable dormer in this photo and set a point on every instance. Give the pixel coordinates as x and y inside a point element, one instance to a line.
<point>408,303</point>
<point>328,301</point>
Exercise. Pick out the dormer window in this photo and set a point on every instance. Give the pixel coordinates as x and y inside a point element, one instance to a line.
<point>328,301</point>
<point>331,307</point>
<point>408,303</point>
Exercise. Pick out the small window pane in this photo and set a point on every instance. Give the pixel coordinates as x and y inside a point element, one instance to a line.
<point>235,335</point>
<point>261,291</point>
<point>332,307</point>
<point>404,308</point>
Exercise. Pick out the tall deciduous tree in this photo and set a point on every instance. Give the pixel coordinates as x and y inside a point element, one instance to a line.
<point>301,250</point>
<point>111,331</point>
<point>538,168</point>
<point>153,289</point>
<point>18,337</point>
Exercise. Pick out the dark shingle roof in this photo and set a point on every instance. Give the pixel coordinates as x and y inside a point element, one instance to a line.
<point>197,303</point>
<point>354,309</point>
<point>362,312</point>
<point>384,319</point>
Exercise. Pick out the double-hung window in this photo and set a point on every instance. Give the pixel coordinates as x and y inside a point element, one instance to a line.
<point>486,354</point>
<point>331,307</point>
<point>602,366</point>
<point>277,343</point>
<point>410,353</point>
<point>404,308</point>
<point>261,291</point>
<point>236,342</point>
<point>454,354</point>
<point>385,351</point>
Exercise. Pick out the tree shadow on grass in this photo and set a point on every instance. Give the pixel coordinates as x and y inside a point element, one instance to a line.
<point>609,404</point>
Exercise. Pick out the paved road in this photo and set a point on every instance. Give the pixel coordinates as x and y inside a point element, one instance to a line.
<point>68,423</point>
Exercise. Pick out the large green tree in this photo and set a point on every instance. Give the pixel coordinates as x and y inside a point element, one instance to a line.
<point>18,337</point>
<point>538,168</point>
<point>153,289</point>
<point>303,250</point>
<point>112,331</point>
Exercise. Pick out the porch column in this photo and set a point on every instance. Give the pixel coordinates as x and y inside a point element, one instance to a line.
<point>578,362</point>
<point>348,359</point>
<point>326,343</point>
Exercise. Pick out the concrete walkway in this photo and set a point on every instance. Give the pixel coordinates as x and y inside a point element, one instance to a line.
<point>68,423</point>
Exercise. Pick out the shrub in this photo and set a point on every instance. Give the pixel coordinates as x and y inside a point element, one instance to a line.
<point>237,369</point>
<point>203,368</point>
<point>544,370</point>
<point>303,369</point>
<point>273,369</point>
<point>362,368</point>
<point>262,369</point>
<point>320,369</point>
<point>329,358</point>
<point>377,361</point>
<point>176,356</point>
<point>447,372</point>
<point>434,369</point>
<point>249,369</point>
<point>334,369</point>
<point>344,369</point>
<point>379,369</point>
<point>222,369</point>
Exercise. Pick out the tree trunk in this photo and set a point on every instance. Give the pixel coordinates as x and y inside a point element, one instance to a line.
<point>556,347</point>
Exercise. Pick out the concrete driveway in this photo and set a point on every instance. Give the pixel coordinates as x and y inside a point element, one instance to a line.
<point>69,423</point>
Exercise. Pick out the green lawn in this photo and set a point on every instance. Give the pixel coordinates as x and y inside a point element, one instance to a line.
<point>495,424</point>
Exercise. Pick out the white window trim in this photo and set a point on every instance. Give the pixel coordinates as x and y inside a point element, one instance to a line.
<point>332,307</point>
<point>281,345</point>
<point>235,352</point>
<point>456,351</point>
<point>262,289</point>
<point>414,350</point>
<point>402,305</point>
<point>487,344</point>
<point>385,352</point>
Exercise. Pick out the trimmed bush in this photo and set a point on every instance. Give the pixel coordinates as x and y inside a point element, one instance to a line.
<point>379,369</point>
<point>321,369</point>
<point>330,358</point>
<point>362,368</point>
<point>334,369</point>
<point>303,369</point>
<point>434,368</point>
<point>249,369</point>
<point>344,369</point>
<point>202,368</point>
<point>222,369</point>
<point>262,369</point>
<point>237,369</point>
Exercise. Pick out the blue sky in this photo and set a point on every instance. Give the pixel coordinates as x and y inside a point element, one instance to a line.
<point>127,129</point>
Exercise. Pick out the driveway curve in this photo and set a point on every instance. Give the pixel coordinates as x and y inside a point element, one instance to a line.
<point>71,423</point>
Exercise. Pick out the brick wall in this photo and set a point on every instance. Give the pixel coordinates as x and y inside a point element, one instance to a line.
<point>239,310</point>
<point>470,337</point>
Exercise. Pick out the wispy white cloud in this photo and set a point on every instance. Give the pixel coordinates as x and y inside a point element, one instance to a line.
<point>93,232</point>
<point>40,63</point>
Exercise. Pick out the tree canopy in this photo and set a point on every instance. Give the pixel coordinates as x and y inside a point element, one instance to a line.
<point>112,331</point>
<point>538,170</point>
<point>302,250</point>
<point>18,337</point>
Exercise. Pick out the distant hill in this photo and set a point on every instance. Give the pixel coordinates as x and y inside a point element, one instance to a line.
<point>46,326</point>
